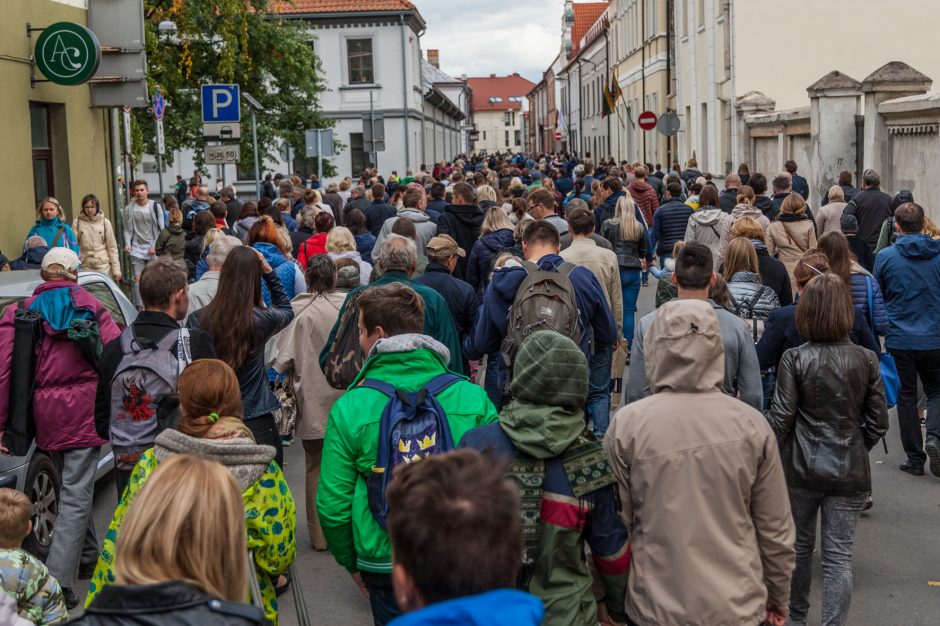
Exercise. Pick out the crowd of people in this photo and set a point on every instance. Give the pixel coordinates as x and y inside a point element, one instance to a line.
<point>479,317</point>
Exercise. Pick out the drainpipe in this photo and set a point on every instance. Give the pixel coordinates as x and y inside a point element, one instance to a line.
<point>607,81</point>
<point>643,66</point>
<point>734,93</point>
<point>404,87</point>
<point>580,110</point>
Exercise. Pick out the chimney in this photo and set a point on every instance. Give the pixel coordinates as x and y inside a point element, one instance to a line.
<point>434,58</point>
<point>492,75</point>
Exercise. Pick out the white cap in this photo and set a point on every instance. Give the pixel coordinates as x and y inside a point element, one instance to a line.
<point>64,257</point>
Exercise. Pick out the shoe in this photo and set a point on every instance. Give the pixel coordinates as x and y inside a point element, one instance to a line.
<point>910,468</point>
<point>646,283</point>
<point>279,590</point>
<point>868,504</point>
<point>71,600</point>
<point>286,441</point>
<point>933,456</point>
<point>86,570</point>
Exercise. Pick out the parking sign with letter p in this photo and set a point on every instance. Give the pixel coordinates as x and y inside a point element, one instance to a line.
<point>220,103</point>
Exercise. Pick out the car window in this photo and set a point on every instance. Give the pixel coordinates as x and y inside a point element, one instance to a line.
<point>103,293</point>
<point>6,302</point>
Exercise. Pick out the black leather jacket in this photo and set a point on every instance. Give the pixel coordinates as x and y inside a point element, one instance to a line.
<point>828,411</point>
<point>174,602</point>
<point>628,253</point>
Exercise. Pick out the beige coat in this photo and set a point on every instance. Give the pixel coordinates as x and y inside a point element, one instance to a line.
<point>727,223</point>
<point>789,240</point>
<point>603,263</point>
<point>702,487</point>
<point>829,218</point>
<point>97,243</point>
<point>298,352</point>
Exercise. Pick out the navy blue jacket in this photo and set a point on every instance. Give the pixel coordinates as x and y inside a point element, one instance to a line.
<point>377,213</point>
<point>594,312</point>
<point>458,294</point>
<point>909,273</point>
<point>480,263</point>
<point>669,224</point>
<point>435,208</point>
<point>878,315</point>
<point>800,186</point>
<point>780,335</point>
<point>606,210</point>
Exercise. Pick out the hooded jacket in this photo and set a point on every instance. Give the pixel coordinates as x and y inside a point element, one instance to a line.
<point>704,227</point>
<point>171,241</point>
<point>365,269</point>
<point>909,272</point>
<point>95,237</point>
<point>789,237</point>
<point>424,227</point>
<point>875,313</point>
<point>243,225</point>
<point>462,222</point>
<point>65,382</point>
<point>766,206</point>
<point>608,209</point>
<point>645,197</point>
<point>290,275</point>
<point>35,595</point>
<point>48,229</point>
<point>727,222</point>
<point>502,607</point>
<point>350,447</point>
<point>31,259</point>
<point>484,251</point>
<point>709,478</point>
<point>542,431</point>
<point>269,506</point>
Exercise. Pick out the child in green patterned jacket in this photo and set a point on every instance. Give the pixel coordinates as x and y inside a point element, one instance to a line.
<point>23,577</point>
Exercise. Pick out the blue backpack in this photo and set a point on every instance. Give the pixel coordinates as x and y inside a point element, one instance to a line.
<point>413,426</point>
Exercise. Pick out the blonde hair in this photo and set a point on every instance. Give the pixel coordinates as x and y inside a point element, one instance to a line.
<point>930,228</point>
<point>625,213</point>
<point>229,428</point>
<point>340,239</point>
<point>495,219</point>
<point>745,195</point>
<point>53,201</point>
<point>15,511</point>
<point>209,237</point>
<point>176,217</point>
<point>187,523</point>
<point>836,194</point>
<point>740,258</point>
<point>485,192</point>
<point>793,203</point>
<point>747,228</point>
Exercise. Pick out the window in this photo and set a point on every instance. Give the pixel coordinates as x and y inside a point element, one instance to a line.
<point>506,138</point>
<point>701,13</point>
<point>518,138</point>
<point>42,150</point>
<point>359,57</point>
<point>103,293</point>
<point>360,158</point>
<point>685,17</point>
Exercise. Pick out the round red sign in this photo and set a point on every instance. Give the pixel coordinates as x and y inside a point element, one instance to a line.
<point>557,135</point>
<point>647,120</point>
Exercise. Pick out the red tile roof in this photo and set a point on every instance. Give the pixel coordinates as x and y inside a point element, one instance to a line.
<point>486,87</point>
<point>339,6</point>
<point>585,14</point>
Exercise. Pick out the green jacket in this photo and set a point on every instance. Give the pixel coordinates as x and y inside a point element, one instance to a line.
<point>438,322</point>
<point>171,241</point>
<point>350,446</point>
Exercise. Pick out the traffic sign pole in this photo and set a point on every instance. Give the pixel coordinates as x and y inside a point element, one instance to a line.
<point>159,108</point>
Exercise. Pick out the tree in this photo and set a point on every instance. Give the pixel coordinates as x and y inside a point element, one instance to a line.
<point>231,41</point>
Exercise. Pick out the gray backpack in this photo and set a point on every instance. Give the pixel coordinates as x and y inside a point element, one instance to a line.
<point>545,300</point>
<point>144,399</point>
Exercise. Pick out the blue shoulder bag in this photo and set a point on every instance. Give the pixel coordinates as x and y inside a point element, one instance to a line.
<point>889,371</point>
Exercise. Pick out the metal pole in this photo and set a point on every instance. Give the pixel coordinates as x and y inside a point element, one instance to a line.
<point>405,90</point>
<point>319,160</point>
<point>116,189</point>
<point>159,172</point>
<point>373,151</point>
<point>254,143</point>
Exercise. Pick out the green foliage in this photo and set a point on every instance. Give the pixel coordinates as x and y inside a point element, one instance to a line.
<point>231,41</point>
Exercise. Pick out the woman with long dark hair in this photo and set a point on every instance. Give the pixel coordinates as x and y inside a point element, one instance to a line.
<point>96,240</point>
<point>239,325</point>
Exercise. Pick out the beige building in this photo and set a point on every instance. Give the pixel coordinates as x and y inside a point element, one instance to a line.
<point>758,56</point>
<point>498,104</point>
<point>639,49</point>
<point>54,142</point>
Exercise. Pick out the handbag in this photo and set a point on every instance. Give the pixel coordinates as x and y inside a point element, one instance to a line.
<point>889,371</point>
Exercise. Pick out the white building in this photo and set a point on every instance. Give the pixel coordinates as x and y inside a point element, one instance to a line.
<point>499,103</point>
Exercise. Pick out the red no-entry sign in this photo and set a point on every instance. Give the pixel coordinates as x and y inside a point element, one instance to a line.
<point>647,120</point>
<point>558,135</point>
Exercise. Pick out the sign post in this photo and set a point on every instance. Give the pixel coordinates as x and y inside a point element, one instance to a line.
<point>159,107</point>
<point>221,119</point>
<point>318,144</point>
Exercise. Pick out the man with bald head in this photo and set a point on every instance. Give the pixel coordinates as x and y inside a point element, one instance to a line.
<point>729,195</point>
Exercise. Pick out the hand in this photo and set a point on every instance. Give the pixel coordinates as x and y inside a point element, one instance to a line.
<point>127,249</point>
<point>265,267</point>
<point>3,449</point>
<point>643,264</point>
<point>357,578</point>
<point>776,615</point>
<point>117,277</point>
<point>151,251</point>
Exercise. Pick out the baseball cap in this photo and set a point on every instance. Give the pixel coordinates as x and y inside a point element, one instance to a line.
<point>848,224</point>
<point>444,245</point>
<point>64,257</point>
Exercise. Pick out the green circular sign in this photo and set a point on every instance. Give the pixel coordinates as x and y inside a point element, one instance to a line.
<point>67,53</point>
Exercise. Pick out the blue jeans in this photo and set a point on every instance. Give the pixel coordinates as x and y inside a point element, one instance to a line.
<point>491,383</point>
<point>381,598</point>
<point>839,516</point>
<point>598,401</point>
<point>630,287</point>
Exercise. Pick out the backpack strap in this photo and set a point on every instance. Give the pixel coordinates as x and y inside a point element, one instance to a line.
<point>441,382</point>
<point>378,385</point>
<point>566,268</point>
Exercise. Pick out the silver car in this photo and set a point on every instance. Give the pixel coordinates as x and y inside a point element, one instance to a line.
<point>38,474</point>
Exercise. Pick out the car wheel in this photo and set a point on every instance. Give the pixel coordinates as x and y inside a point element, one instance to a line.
<point>42,487</point>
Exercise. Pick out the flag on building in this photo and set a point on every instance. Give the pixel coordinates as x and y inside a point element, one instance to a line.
<point>612,93</point>
<point>560,126</point>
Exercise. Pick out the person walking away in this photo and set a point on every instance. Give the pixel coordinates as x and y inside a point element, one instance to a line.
<point>744,208</point>
<point>792,234</point>
<point>871,207</point>
<point>604,265</point>
<point>750,298</point>
<point>400,357</point>
<point>630,242</point>
<point>541,435</point>
<point>909,275</point>
<point>462,220</point>
<point>172,240</point>
<point>782,188</point>
<point>704,225</point>
<point>265,238</point>
<point>465,571</point>
<point>249,216</point>
<point>829,216</point>
<point>728,198</point>
<point>799,184</point>
<point>496,236</point>
<point>669,223</point>
<point>378,210</point>
<point>414,202</point>
<point>323,223</point>
<point>689,437</point>
<point>182,558</point>
<point>233,206</point>
<point>888,233</point>
<point>857,279</point>
<point>163,289</point>
<point>611,190</point>
<point>694,276</point>
<point>63,406</point>
<point>298,345</point>
<point>143,220</point>
<point>51,226</point>
<point>761,200</point>
<point>203,290</point>
<point>95,237</point>
<point>240,326</point>
<point>305,227</point>
<point>37,596</point>
<point>365,241</point>
<point>860,248</point>
<point>845,183</point>
<point>643,194</point>
<point>340,244</point>
<point>828,412</point>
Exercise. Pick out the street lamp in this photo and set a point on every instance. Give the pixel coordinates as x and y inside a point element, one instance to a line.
<point>166,29</point>
<point>254,105</point>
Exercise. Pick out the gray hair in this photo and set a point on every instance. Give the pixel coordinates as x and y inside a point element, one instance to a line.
<point>285,187</point>
<point>360,191</point>
<point>576,203</point>
<point>35,242</point>
<point>228,191</point>
<point>219,249</point>
<point>307,216</point>
<point>398,253</point>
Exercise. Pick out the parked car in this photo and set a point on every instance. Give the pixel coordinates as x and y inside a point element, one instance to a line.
<point>38,474</point>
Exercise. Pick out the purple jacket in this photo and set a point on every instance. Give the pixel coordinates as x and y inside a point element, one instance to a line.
<point>64,396</point>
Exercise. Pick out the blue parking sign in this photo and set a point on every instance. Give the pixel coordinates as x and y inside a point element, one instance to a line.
<point>220,103</point>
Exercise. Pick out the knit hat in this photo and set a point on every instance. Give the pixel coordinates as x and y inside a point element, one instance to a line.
<point>63,257</point>
<point>348,277</point>
<point>550,370</point>
<point>848,224</point>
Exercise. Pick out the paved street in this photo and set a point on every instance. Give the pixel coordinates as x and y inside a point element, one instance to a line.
<point>896,554</point>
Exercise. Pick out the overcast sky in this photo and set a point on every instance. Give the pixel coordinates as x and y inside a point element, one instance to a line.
<point>499,37</point>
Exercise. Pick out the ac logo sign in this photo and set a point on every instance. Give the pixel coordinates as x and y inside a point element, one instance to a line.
<point>67,53</point>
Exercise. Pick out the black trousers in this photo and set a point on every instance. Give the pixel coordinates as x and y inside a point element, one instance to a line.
<point>264,429</point>
<point>911,364</point>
